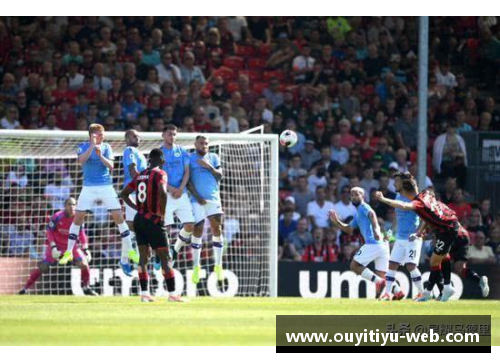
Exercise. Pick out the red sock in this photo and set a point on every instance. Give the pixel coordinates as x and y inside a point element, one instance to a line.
<point>85,276</point>
<point>35,274</point>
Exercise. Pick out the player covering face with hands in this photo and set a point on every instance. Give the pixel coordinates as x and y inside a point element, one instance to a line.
<point>375,248</point>
<point>96,158</point>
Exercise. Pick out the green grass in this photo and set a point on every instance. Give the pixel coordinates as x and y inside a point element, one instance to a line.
<point>61,320</point>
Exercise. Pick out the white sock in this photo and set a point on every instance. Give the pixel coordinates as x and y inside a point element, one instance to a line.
<point>145,293</point>
<point>416,278</point>
<point>390,278</point>
<point>447,287</point>
<point>182,238</point>
<point>126,241</point>
<point>369,275</point>
<point>196,249</point>
<point>218,246</point>
<point>134,241</point>
<point>74,230</point>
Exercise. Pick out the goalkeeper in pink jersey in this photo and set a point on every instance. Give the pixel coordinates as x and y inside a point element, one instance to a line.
<point>57,242</point>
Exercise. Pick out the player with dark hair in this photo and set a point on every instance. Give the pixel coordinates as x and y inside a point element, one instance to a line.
<point>375,248</point>
<point>448,231</point>
<point>406,250</point>
<point>150,186</point>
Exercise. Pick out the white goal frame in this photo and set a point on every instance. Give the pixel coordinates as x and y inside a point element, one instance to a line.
<point>272,139</point>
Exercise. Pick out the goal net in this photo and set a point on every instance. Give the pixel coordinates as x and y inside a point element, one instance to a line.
<point>39,170</point>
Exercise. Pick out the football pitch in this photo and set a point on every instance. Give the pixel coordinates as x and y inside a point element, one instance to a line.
<point>67,320</point>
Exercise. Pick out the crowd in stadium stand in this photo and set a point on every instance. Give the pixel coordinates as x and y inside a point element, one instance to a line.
<point>346,85</point>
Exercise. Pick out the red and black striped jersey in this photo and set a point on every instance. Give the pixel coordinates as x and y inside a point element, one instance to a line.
<point>434,212</point>
<point>147,187</point>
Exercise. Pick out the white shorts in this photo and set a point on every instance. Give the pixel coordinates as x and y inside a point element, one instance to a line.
<point>91,195</point>
<point>201,212</point>
<point>181,208</point>
<point>379,253</point>
<point>405,251</point>
<point>129,212</point>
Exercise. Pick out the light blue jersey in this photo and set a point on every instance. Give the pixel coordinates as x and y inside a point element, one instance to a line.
<point>176,159</point>
<point>407,220</point>
<point>132,156</point>
<point>204,182</point>
<point>362,221</point>
<point>95,173</point>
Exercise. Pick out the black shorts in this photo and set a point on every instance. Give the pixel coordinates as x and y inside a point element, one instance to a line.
<point>460,248</point>
<point>445,240</point>
<point>150,233</point>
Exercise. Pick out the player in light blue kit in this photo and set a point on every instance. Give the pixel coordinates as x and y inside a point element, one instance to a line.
<point>96,158</point>
<point>177,168</point>
<point>375,247</point>
<point>406,250</point>
<point>204,187</point>
<point>133,163</point>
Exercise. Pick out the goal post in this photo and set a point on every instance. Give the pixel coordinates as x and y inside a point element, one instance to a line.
<point>39,169</point>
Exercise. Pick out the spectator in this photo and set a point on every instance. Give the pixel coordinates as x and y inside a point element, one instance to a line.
<point>347,140</point>
<point>344,208</point>
<point>339,153</point>
<point>11,119</point>
<point>317,210</point>
<point>273,95</point>
<point>302,195</point>
<point>51,123</point>
<point>406,129</point>
<point>295,171</point>
<point>479,253</point>
<point>444,77</point>
<point>315,251</point>
<point>458,204</point>
<point>168,72</point>
<point>317,176</point>
<point>229,124</point>
<point>494,242</point>
<point>287,225</point>
<point>190,71</point>
<point>309,155</point>
<point>303,66</point>
<point>368,183</point>
<point>298,240</point>
<point>448,152</point>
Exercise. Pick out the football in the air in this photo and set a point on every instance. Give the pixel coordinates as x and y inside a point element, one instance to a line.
<point>288,138</point>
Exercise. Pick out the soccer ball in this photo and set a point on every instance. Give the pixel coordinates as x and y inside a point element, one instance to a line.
<point>288,138</point>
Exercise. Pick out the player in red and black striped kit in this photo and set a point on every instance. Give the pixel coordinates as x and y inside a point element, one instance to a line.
<point>150,187</point>
<point>450,235</point>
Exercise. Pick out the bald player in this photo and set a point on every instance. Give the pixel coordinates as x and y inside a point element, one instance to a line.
<point>375,247</point>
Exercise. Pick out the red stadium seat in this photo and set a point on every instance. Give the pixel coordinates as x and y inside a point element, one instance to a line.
<point>253,75</point>
<point>232,87</point>
<point>235,63</point>
<point>265,50</point>
<point>256,63</point>
<point>245,51</point>
<point>224,72</point>
<point>259,87</point>
<point>273,74</point>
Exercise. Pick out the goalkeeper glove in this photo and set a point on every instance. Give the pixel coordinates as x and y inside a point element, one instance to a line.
<point>87,255</point>
<point>56,254</point>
